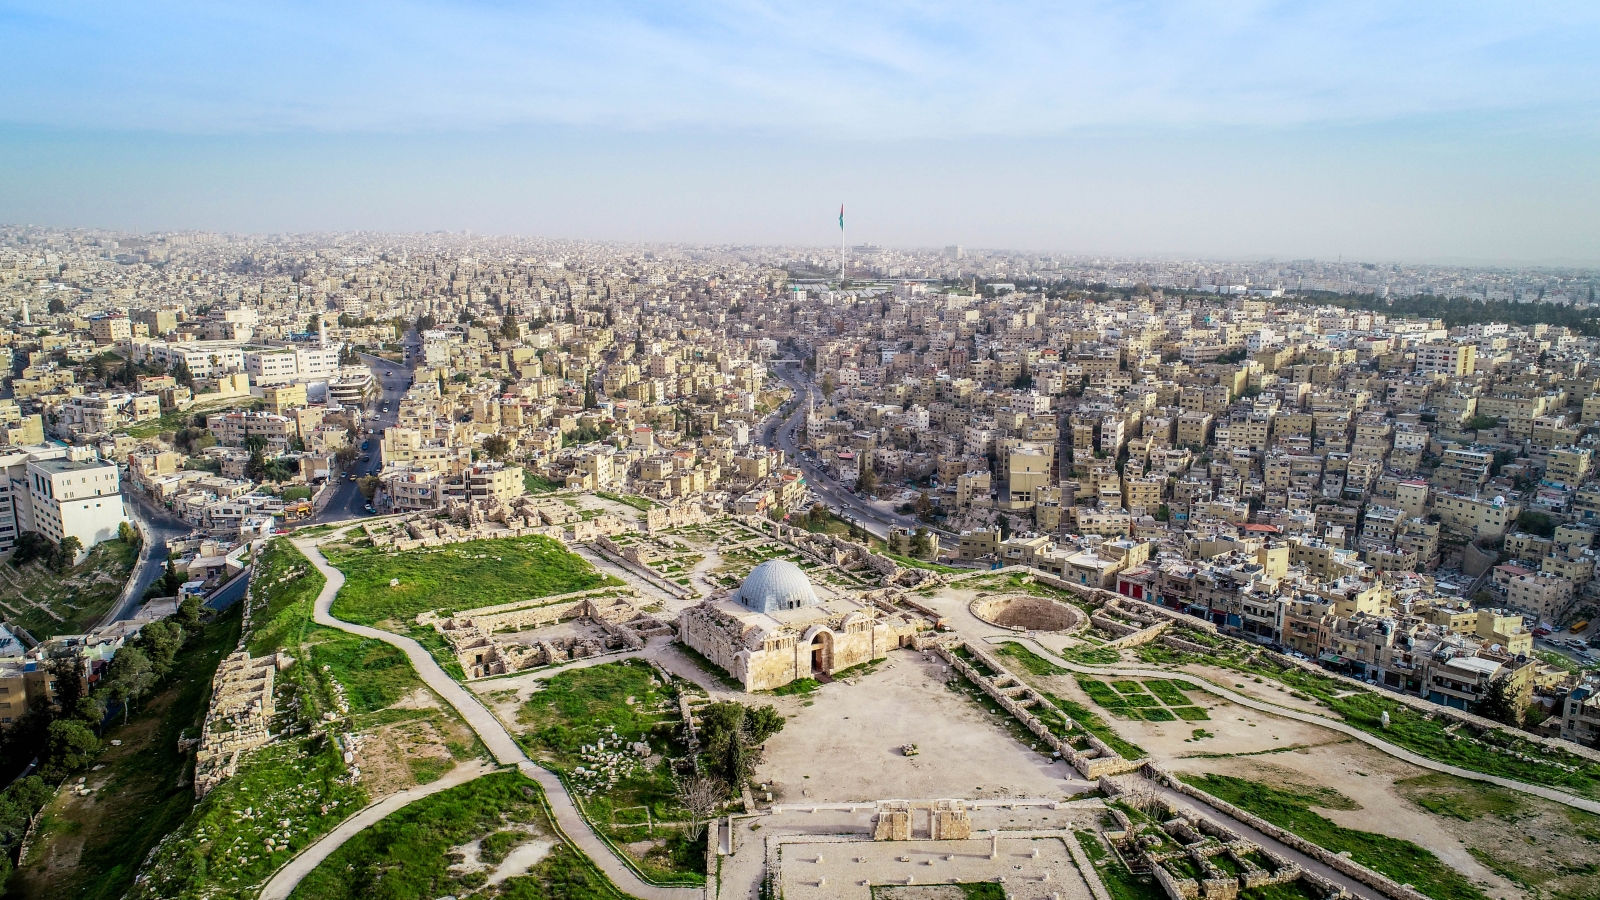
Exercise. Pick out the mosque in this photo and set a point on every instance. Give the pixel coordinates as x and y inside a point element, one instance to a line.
<point>773,629</point>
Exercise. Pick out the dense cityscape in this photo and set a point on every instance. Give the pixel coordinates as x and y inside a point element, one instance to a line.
<point>607,541</point>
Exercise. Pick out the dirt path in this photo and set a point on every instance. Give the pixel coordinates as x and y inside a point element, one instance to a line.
<point>569,823</point>
<point>1399,753</point>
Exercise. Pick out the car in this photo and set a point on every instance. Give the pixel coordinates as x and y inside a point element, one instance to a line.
<point>388,374</point>
<point>369,507</point>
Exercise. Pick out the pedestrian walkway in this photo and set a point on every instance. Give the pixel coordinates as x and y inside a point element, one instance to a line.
<point>505,750</point>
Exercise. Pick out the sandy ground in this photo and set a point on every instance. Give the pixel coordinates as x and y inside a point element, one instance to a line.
<point>1267,691</point>
<point>1231,728</point>
<point>845,743</point>
<point>1367,777</point>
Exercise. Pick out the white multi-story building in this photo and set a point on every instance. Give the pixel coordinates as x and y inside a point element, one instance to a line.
<point>285,365</point>
<point>73,494</point>
<point>205,359</point>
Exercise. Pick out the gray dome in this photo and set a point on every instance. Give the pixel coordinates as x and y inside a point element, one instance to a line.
<point>776,584</point>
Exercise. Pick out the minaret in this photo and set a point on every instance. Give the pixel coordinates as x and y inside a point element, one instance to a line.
<point>322,332</point>
<point>25,319</point>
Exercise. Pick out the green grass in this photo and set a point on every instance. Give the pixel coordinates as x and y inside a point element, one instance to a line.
<point>1128,687</point>
<point>143,796</point>
<point>1289,890</point>
<point>1170,692</point>
<point>1190,713</point>
<point>584,706</point>
<point>1103,695</point>
<point>640,503</point>
<point>1120,883</point>
<point>221,850</point>
<point>460,576</point>
<point>288,584</point>
<point>1492,752</point>
<point>538,484</point>
<point>798,687</point>
<point>406,856</point>
<point>911,562</point>
<point>296,492</point>
<point>1458,798</point>
<point>1402,860</point>
<point>374,674</point>
<point>178,419</point>
<point>1092,656</point>
<point>1096,726</point>
<point>1029,660</point>
<point>1156,715</point>
<point>79,597</point>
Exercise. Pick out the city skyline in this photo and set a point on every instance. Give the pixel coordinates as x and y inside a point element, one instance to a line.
<point>1417,135</point>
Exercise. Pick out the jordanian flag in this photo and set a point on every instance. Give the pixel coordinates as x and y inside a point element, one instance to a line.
<point>841,217</point>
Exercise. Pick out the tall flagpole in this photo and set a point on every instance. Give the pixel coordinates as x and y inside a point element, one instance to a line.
<point>841,246</point>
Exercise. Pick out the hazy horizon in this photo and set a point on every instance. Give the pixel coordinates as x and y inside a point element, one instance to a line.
<point>1423,134</point>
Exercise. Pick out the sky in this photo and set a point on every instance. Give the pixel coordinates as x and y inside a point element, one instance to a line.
<point>1449,132</point>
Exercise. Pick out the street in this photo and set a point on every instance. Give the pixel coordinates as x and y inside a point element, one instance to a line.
<point>783,436</point>
<point>346,501</point>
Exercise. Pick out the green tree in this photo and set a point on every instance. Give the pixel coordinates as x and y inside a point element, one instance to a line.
<point>181,374</point>
<point>497,446</point>
<point>31,545</point>
<point>867,481</point>
<point>921,544</point>
<point>68,682</point>
<point>67,553</point>
<point>1500,703</point>
<point>71,746</point>
<point>732,734</point>
<point>127,533</point>
<point>56,305</point>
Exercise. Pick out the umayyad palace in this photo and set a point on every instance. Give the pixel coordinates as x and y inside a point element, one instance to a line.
<point>774,629</point>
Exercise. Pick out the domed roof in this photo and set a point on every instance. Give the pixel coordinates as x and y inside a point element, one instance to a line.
<point>776,584</point>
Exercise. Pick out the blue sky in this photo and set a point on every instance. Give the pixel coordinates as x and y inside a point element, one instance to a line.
<point>1382,130</point>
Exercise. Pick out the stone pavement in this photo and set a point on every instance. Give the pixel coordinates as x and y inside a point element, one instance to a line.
<point>568,821</point>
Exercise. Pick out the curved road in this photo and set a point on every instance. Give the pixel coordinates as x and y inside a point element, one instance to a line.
<point>1400,753</point>
<point>573,827</point>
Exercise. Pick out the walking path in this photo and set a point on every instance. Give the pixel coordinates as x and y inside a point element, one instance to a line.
<point>285,879</point>
<point>573,827</point>
<point>1400,753</point>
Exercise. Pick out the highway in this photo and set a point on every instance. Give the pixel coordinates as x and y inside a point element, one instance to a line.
<point>783,435</point>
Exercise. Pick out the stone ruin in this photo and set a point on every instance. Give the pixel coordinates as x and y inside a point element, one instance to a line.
<point>239,716</point>
<point>479,638</point>
<point>1175,844</point>
<point>677,515</point>
<point>480,520</point>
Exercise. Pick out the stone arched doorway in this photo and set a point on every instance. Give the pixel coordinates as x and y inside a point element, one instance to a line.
<point>822,653</point>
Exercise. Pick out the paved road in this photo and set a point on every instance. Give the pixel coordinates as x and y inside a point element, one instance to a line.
<point>502,746</point>
<point>345,501</point>
<point>784,435</point>
<point>1400,753</point>
<point>156,527</point>
<point>285,879</point>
